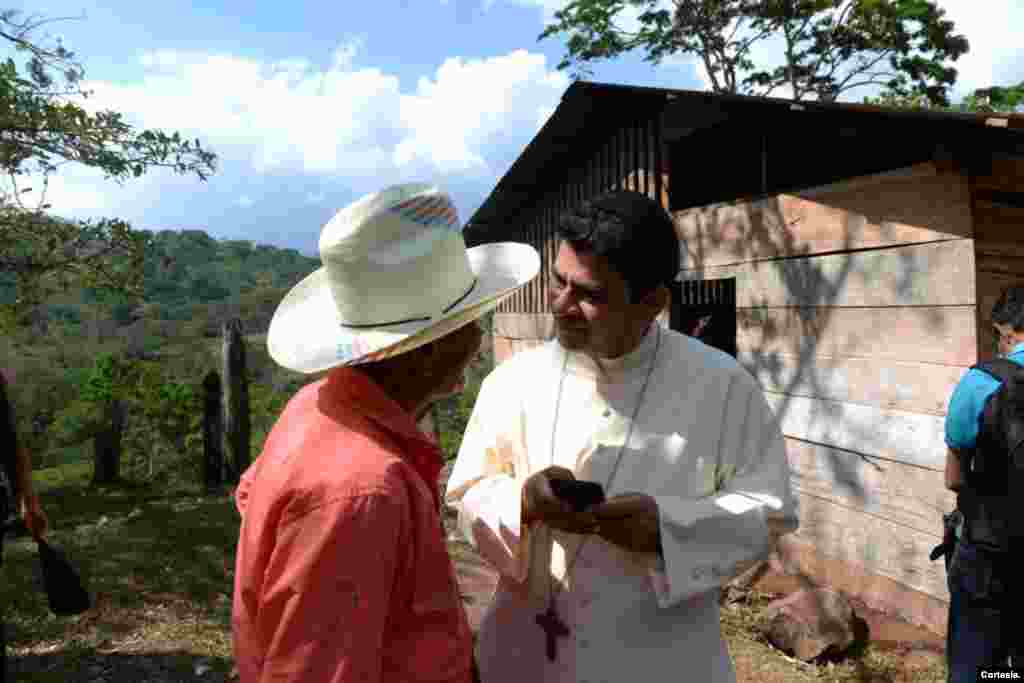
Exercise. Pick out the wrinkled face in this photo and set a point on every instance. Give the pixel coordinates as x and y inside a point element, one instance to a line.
<point>455,351</point>
<point>1005,338</point>
<point>591,305</point>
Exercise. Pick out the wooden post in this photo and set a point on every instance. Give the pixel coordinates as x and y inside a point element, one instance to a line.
<point>107,446</point>
<point>236,399</point>
<point>213,432</point>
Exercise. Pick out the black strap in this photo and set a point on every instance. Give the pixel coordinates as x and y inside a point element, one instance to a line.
<point>452,305</point>
<point>1002,369</point>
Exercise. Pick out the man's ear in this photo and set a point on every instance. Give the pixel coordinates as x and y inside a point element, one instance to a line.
<point>657,299</point>
<point>430,357</point>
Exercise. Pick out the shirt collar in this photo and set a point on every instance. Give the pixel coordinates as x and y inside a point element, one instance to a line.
<point>354,389</point>
<point>639,357</point>
<point>363,395</point>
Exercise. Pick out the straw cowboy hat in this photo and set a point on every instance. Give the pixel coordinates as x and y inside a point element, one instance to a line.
<point>396,275</point>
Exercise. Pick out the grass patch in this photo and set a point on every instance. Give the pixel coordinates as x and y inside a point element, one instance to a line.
<point>160,568</point>
<point>756,660</point>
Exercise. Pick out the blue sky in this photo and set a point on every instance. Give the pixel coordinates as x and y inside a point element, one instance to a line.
<point>310,105</point>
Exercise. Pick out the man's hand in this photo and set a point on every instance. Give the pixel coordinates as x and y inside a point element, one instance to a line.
<point>540,504</point>
<point>629,520</point>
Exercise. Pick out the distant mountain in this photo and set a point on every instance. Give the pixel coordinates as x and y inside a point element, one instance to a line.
<point>189,266</point>
<point>186,271</point>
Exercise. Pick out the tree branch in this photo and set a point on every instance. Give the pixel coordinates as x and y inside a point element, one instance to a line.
<point>864,69</point>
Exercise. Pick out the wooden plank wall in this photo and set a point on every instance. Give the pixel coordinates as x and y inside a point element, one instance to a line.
<point>857,314</point>
<point>999,250</point>
<point>625,160</point>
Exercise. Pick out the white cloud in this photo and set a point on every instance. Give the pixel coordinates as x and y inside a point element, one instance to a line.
<point>342,123</point>
<point>996,56</point>
<point>469,104</point>
<point>343,119</point>
<point>286,114</point>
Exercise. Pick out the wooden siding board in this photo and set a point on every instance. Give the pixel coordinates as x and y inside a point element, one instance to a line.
<point>908,438</point>
<point>907,386</point>
<point>925,209</point>
<point>880,546</point>
<point>926,334</point>
<point>997,224</point>
<point>911,496</point>
<point>1006,173</point>
<point>933,274</point>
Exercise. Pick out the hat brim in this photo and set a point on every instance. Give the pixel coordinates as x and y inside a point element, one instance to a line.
<point>306,333</point>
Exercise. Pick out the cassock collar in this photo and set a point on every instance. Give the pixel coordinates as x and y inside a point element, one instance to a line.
<point>638,358</point>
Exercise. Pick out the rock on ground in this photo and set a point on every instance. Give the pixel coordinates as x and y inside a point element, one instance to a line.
<point>810,622</point>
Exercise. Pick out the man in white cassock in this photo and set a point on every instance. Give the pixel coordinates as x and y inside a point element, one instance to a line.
<point>679,436</point>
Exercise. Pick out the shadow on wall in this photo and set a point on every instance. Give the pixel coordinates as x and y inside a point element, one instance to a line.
<point>816,287</point>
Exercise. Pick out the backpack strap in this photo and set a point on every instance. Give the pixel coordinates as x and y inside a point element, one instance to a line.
<point>1002,369</point>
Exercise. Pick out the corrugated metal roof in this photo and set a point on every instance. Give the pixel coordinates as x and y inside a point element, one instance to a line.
<point>589,112</point>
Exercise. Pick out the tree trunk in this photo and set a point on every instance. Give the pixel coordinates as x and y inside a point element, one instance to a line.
<point>107,447</point>
<point>236,400</point>
<point>213,433</point>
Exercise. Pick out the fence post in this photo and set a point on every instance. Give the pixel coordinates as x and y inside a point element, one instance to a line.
<point>213,432</point>
<point>236,399</point>
<point>107,446</point>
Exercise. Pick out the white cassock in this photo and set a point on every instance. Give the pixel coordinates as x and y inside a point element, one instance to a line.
<point>705,446</point>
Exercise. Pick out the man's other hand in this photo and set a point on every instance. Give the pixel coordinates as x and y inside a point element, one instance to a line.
<point>629,520</point>
<point>540,504</point>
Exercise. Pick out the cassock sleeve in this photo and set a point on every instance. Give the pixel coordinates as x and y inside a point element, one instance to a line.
<point>486,482</point>
<point>709,540</point>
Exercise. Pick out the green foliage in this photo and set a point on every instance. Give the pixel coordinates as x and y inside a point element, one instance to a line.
<point>43,126</point>
<point>997,99</point>
<point>183,272</point>
<point>266,401</point>
<point>830,46</point>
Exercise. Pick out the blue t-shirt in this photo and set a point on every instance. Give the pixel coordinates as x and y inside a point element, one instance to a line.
<point>966,405</point>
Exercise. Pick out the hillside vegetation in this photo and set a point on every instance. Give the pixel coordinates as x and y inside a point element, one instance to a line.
<point>81,351</point>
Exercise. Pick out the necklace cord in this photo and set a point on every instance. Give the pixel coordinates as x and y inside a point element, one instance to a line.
<point>618,460</point>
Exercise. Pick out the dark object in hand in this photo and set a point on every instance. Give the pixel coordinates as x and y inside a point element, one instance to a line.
<point>65,590</point>
<point>579,494</point>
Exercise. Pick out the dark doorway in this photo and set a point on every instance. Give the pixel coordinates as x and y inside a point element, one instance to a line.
<point>706,309</point>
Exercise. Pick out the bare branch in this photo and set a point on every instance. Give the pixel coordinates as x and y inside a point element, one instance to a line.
<point>870,81</point>
<point>865,69</point>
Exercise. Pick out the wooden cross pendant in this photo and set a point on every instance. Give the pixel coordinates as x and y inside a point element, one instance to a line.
<point>554,628</point>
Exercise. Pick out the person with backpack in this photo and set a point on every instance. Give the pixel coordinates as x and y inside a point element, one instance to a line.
<point>985,467</point>
<point>16,494</point>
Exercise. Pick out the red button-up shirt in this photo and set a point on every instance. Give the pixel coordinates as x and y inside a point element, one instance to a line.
<point>342,572</point>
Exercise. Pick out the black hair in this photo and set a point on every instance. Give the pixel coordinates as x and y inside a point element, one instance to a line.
<point>632,232</point>
<point>1009,308</point>
<point>8,437</point>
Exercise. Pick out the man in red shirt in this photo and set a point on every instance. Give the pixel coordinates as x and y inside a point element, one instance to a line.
<point>342,572</point>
